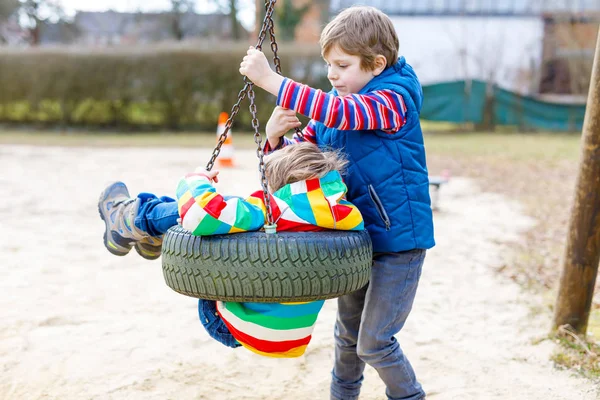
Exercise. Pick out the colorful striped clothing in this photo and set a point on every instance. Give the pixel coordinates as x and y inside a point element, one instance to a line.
<point>309,205</point>
<point>381,109</point>
<point>281,330</point>
<point>269,329</point>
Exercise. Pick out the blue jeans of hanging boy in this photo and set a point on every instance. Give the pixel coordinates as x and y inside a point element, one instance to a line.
<point>155,216</point>
<point>214,325</point>
<point>366,324</point>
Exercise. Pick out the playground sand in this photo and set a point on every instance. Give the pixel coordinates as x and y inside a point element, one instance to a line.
<point>79,323</point>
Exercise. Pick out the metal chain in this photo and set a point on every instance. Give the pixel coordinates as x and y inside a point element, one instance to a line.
<point>260,153</point>
<point>249,91</point>
<point>270,5</point>
<point>274,46</point>
<point>268,20</point>
<point>277,61</point>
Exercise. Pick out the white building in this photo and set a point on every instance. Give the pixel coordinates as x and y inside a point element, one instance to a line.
<point>501,41</point>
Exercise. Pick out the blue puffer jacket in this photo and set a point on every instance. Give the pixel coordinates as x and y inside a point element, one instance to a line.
<point>387,176</point>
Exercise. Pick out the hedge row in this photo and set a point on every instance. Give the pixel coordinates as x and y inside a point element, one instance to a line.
<point>159,87</point>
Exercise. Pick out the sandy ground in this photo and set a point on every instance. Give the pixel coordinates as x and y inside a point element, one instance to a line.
<point>79,323</point>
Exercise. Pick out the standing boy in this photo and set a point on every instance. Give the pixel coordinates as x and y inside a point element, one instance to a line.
<point>372,115</point>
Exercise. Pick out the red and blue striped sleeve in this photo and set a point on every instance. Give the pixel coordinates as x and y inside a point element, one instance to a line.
<point>381,109</point>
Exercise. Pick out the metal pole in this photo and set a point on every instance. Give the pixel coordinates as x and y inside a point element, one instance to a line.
<point>582,251</point>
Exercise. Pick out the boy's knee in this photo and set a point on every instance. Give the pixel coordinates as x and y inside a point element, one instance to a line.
<point>345,341</point>
<point>369,356</point>
<point>366,349</point>
<point>372,351</point>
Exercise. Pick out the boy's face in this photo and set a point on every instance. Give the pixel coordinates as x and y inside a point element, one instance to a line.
<point>344,71</point>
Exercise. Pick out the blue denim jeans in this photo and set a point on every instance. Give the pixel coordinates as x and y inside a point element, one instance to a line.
<point>156,214</point>
<point>366,323</point>
<point>214,325</point>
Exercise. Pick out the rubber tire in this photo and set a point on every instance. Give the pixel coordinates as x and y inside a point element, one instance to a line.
<point>256,267</point>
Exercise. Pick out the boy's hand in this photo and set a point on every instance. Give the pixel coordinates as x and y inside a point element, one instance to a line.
<point>281,121</point>
<point>256,67</point>
<point>211,175</point>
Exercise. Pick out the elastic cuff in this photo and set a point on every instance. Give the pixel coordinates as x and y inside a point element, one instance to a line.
<point>281,91</point>
<point>198,174</point>
<point>267,147</point>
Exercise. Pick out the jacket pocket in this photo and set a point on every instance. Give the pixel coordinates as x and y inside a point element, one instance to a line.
<point>379,207</point>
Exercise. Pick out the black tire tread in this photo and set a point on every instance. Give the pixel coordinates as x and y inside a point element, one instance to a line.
<point>254,266</point>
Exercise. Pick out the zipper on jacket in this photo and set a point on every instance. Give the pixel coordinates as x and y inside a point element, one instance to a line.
<point>379,206</point>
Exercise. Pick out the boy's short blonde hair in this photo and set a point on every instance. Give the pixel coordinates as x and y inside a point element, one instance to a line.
<point>300,162</point>
<point>362,31</point>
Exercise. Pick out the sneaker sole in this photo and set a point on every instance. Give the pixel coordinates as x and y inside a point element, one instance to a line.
<point>111,246</point>
<point>148,254</point>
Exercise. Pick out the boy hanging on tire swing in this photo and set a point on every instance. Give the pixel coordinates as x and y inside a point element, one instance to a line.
<point>307,194</point>
<point>372,115</point>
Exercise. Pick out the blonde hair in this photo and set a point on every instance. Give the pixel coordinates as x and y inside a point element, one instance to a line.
<point>300,162</point>
<point>362,31</point>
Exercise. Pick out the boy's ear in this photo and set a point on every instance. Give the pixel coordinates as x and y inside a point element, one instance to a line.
<point>380,64</point>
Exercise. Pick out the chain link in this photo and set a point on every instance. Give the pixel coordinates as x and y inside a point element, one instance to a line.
<point>277,60</point>
<point>260,154</point>
<point>270,6</point>
<point>274,46</point>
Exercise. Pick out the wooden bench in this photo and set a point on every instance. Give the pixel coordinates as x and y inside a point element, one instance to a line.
<point>436,182</point>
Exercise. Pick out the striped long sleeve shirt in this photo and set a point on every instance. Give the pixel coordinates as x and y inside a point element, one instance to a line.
<point>269,329</point>
<point>379,110</point>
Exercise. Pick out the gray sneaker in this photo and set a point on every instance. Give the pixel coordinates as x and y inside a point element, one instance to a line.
<point>118,212</point>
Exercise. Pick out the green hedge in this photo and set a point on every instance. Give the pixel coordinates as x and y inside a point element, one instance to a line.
<point>158,87</point>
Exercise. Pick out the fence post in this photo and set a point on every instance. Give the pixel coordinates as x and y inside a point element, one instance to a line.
<point>582,251</point>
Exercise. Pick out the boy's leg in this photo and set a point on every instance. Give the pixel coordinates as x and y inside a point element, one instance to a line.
<point>138,222</point>
<point>389,299</point>
<point>156,214</point>
<point>347,374</point>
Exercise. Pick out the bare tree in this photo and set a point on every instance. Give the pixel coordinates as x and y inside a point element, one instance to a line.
<point>36,12</point>
<point>178,9</point>
<point>235,25</point>
<point>288,17</point>
<point>231,8</point>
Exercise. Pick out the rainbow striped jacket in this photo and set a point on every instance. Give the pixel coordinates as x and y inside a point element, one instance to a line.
<point>269,329</point>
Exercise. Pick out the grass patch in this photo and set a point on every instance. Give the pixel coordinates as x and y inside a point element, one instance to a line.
<point>577,353</point>
<point>508,146</point>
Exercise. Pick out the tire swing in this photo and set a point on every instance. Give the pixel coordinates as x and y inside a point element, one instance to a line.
<point>265,266</point>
